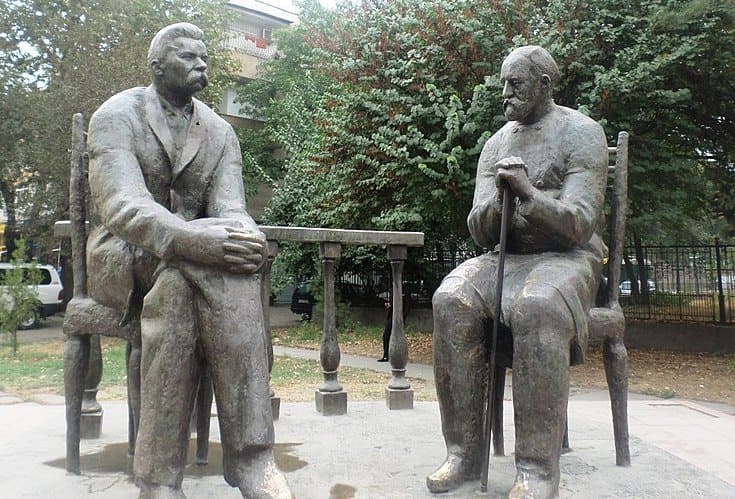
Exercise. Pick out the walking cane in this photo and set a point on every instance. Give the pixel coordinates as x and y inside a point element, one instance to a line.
<point>489,398</point>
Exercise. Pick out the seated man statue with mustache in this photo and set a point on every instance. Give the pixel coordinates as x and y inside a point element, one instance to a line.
<point>176,249</point>
<point>553,162</point>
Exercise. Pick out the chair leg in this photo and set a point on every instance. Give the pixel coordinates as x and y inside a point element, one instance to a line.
<point>133,359</point>
<point>615,357</point>
<point>76,363</point>
<point>94,376</point>
<point>205,395</point>
<point>497,422</point>
<point>565,442</point>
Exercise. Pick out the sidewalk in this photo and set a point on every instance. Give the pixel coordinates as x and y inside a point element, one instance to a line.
<point>679,449</point>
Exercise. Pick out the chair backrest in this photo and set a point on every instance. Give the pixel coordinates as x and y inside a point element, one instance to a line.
<point>618,195</point>
<point>78,188</point>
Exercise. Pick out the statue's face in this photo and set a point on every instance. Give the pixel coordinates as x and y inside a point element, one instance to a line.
<point>184,67</point>
<point>523,89</point>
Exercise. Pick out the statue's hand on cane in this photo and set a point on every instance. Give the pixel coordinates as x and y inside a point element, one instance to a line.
<point>511,172</point>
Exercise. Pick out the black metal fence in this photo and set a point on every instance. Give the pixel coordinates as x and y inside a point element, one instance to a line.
<point>684,283</point>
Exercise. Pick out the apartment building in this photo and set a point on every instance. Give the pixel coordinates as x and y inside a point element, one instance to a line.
<point>251,39</point>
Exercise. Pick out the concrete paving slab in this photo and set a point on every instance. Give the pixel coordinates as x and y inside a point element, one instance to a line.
<point>372,452</point>
<point>679,449</point>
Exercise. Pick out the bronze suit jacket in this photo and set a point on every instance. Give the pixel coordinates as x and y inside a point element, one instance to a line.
<point>566,156</point>
<point>144,190</point>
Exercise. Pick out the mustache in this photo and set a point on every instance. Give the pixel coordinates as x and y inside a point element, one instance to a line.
<point>512,102</point>
<point>199,76</point>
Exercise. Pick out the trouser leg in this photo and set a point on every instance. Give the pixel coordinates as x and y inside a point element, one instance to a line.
<point>169,374</point>
<point>386,339</point>
<point>233,338</point>
<point>460,370</point>
<point>542,330</point>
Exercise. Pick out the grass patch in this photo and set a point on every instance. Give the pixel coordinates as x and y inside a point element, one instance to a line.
<point>39,368</point>
<point>664,393</point>
<point>33,367</point>
<point>309,333</point>
<point>288,370</point>
<point>355,339</point>
<point>296,380</point>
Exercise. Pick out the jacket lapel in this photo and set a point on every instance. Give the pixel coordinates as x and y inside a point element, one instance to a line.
<point>194,138</point>
<point>157,121</point>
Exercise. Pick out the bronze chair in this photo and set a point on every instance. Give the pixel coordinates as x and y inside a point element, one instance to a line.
<point>85,317</point>
<point>606,321</point>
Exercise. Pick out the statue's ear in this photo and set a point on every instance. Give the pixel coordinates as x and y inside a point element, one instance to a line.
<point>156,67</point>
<point>546,81</point>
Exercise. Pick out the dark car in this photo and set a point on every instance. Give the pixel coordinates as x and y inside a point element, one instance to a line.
<point>303,300</point>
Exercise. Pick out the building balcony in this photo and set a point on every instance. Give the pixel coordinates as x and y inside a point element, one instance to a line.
<point>246,43</point>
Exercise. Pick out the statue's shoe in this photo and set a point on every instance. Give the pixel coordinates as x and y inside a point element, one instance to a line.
<point>152,491</point>
<point>259,478</point>
<point>532,485</point>
<point>450,475</point>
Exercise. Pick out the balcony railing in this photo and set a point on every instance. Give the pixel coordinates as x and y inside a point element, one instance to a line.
<point>250,44</point>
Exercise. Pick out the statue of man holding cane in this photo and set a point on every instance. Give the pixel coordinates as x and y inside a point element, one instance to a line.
<point>552,161</point>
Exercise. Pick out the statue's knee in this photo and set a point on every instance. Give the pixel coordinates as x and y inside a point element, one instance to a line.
<point>539,310</point>
<point>459,315</point>
<point>454,296</point>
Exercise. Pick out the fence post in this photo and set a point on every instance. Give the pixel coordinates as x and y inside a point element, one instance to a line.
<point>331,399</point>
<point>398,393</point>
<point>678,285</point>
<point>720,293</point>
<point>265,298</point>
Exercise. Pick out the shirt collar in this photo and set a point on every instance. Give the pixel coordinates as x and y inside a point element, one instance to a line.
<point>171,111</point>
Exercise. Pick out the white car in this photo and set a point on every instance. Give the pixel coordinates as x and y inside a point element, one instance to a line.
<point>50,294</point>
<point>625,288</point>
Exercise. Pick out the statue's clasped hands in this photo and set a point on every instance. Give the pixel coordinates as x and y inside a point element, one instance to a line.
<point>512,172</point>
<point>236,250</point>
<point>244,251</point>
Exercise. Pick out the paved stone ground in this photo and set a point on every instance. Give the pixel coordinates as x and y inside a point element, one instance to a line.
<point>679,449</point>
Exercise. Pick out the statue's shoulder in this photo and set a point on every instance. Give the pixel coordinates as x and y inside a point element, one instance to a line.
<point>127,102</point>
<point>582,136</point>
<point>575,121</point>
<point>499,137</point>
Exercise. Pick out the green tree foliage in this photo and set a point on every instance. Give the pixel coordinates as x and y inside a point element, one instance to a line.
<point>382,109</point>
<point>18,293</point>
<point>399,115</point>
<point>63,57</point>
<point>384,106</point>
<point>661,70</point>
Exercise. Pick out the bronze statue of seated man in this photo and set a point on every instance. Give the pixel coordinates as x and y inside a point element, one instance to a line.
<point>553,162</point>
<point>176,247</point>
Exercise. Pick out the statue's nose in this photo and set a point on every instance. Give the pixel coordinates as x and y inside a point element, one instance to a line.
<point>507,90</point>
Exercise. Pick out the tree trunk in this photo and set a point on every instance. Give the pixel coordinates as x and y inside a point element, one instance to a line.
<point>7,191</point>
